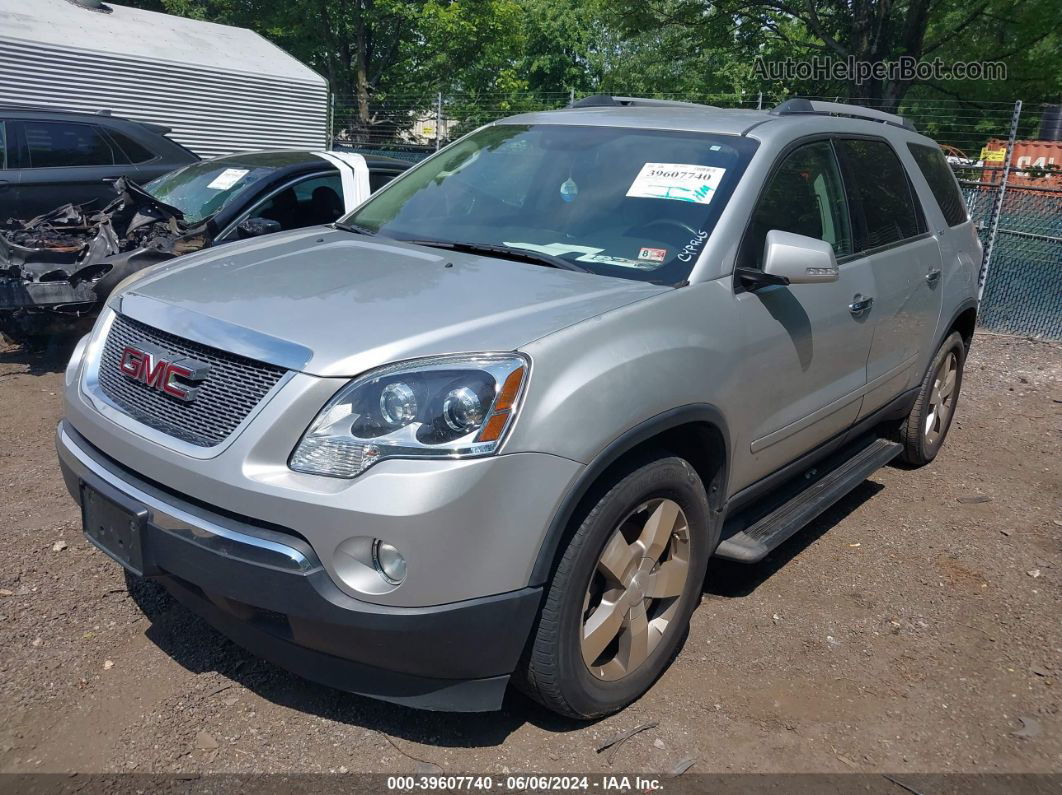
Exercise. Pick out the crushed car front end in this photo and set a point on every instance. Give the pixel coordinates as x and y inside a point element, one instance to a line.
<point>58,268</point>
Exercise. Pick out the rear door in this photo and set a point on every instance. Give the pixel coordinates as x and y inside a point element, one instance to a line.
<point>64,162</point>
<point>8,173</point>
<point>892,239</point>
<point>805,348</point>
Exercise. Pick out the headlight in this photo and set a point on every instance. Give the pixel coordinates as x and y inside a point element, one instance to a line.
<point>444,407</point>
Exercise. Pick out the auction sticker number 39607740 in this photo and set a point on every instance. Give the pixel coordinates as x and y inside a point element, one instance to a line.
<point>682,182</point>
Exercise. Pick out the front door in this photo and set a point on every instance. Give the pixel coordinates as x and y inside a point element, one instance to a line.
<point>805,347</point>
<point>890,232</point>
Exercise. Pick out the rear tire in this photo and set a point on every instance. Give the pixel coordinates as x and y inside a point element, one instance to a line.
<point>923,432</point>
<point>618,606</point>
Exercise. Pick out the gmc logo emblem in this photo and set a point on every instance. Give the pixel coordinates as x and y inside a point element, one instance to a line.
<point>178,378</point>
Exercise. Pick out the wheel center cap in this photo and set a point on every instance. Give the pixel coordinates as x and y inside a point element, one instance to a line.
<point>639,585</point>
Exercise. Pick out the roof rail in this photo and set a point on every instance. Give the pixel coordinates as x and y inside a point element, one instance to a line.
<point>609,101</point>
<point>799,105</point>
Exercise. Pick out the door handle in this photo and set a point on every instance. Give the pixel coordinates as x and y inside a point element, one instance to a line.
<point>860,305</point>
<point>933,277</point>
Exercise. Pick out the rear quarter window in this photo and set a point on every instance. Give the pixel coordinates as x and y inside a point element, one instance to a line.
<point>942,183</point>
<point>135,152</point>
<point>884,210</point>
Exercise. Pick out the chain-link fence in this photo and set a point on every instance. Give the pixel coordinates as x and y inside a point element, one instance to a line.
<point>1023,283</point>
<point>1008,172</point>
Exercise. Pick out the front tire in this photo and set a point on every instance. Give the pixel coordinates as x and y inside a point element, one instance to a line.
<point>619,604</point>
<point>922,433</point>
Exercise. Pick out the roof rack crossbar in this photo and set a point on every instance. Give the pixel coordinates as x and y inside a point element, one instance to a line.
<point>799,105</point>
<point>609,101</point>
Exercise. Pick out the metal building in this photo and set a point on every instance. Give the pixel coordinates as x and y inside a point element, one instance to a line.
<point>220,89</point>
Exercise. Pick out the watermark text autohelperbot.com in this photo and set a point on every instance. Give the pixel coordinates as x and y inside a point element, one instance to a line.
<point>853,70</point>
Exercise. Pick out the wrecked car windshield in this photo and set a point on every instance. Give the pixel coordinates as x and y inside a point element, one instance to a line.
<point>639,204</point>
<point>199,190</point>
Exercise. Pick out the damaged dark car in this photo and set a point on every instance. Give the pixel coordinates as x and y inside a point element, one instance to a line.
<point>57,269</point>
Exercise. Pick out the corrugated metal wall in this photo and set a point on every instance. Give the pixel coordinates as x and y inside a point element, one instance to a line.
<point>211,112</point>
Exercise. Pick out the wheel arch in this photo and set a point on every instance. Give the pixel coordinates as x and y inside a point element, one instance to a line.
<point>696,432</point>
<point>964,322</point>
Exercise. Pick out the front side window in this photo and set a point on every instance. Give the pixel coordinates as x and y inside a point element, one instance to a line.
<point>377,179</point>
<point>942,183</point>
<point>633,203</point>
<point>53,144</point>
<point>316,200</point>
<point>805,196</point>
<point>883,207</point>
<point>3,145</point>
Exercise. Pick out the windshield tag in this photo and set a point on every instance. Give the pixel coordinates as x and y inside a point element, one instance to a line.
<point>652,254</point>
<point>682,182</point>
<point>623,262</point>
<point>227,178</point>
<point>569,190</point>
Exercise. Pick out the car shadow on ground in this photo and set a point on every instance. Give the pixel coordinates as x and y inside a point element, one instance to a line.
<point>51,358</point>
<point>200,649</point>
<point>730,579</point>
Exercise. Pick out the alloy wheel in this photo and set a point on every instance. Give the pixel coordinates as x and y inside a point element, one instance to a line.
<point>942,398</point>
<point>634,591</point>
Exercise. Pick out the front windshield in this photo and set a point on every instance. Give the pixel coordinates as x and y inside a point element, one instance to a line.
<point>199,190</point>
<point>626,202</point>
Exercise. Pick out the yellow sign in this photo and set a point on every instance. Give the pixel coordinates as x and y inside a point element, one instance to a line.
<point>993,155</point>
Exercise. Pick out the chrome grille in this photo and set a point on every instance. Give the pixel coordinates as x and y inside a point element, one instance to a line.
<point>231,391</point>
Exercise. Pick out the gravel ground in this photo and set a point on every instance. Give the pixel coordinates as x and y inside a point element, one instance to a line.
<point>916,627</point>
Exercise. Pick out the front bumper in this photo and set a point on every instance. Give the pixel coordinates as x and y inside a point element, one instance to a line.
<point>268,591</point>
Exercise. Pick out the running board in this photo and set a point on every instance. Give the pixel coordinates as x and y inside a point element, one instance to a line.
<point>765,534</point>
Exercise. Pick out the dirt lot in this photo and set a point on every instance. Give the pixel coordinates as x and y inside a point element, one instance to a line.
<point>915,627</point>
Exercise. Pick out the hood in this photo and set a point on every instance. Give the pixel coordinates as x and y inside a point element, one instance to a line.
<point>349,303</point>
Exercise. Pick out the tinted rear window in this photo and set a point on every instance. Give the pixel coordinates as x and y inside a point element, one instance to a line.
<point>883,209</point>
<point>937,172</point>
<point>53,144</point>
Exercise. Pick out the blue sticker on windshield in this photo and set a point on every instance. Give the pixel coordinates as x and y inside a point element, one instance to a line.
<point>569,190</point>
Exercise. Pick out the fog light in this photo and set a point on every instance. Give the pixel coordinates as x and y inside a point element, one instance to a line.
<point>388,561</point>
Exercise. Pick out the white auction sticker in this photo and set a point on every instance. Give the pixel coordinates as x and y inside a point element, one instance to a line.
<point>227,178</point>
<point>682,182</point>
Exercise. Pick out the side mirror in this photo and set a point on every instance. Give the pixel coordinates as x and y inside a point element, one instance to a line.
<point>255,227</point>
<point>799,259</point>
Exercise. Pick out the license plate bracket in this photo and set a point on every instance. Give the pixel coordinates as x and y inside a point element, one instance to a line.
<point>116,526</point>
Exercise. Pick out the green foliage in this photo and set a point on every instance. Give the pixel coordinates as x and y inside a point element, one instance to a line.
<point>491,57</point>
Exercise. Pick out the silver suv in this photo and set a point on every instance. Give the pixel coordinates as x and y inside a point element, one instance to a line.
<point>491,426</point>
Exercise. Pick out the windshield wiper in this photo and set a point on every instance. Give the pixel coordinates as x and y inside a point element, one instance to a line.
<point>357,230</point>
<point>507,252</point>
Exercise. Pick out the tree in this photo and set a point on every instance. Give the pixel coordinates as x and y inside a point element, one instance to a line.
<point>867,31</point>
